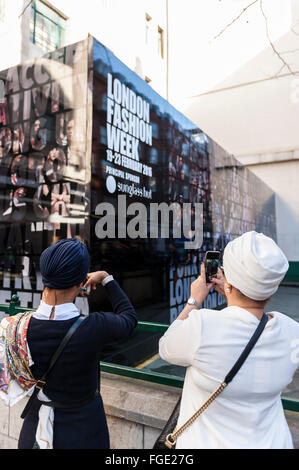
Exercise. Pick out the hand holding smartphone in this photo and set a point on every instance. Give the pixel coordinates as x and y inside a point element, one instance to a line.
<point>211,262</point>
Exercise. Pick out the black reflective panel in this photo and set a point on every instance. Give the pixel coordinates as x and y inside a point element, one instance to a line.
<point>43,157</point>
<point>79,129</point>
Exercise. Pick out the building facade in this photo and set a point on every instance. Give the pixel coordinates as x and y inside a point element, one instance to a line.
<point>135,31</point>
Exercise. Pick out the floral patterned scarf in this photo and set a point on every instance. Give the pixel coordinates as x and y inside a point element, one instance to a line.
<point>15,359</point>
<point>16,379</point>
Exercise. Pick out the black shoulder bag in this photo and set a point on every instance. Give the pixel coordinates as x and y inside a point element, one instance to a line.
<point>169,434</point>
<point>41,382</point>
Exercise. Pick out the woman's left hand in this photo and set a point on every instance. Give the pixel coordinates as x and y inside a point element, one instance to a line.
<point>199,288</point>
<point>95,278</point>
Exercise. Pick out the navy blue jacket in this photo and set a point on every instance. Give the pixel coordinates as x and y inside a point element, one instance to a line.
<point>74,377</point>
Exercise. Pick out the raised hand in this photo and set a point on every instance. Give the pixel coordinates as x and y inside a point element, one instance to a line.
<point>95,278</point>
<point>218,282</point>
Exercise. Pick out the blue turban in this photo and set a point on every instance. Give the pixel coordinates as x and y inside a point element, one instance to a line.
<point>64,264</point>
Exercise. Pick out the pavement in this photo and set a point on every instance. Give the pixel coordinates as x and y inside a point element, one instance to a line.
<point>286,300</point>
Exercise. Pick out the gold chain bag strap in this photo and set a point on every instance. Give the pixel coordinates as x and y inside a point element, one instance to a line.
<point>172,437</point>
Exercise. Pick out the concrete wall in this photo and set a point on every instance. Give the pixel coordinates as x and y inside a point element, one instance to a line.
<point>233,93</point>
<point>280,172</point>
<point>136,413</point>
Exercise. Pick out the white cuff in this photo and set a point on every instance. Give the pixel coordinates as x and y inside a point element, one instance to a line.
<point>107,279</point>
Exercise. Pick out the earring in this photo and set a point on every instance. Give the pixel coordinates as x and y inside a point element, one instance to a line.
<point>227,289</point>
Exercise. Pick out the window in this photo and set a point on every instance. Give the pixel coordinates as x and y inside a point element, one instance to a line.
<point>147,28</point>
<point>160,42</point>
<point>47,27</point>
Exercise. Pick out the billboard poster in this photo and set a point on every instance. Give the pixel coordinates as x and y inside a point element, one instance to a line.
<point>43,147</point>
<point>88,149</point>
<point>145,152</point>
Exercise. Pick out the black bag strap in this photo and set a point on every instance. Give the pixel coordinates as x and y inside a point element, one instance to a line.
<point>41,382</point>
<point>247,349</point>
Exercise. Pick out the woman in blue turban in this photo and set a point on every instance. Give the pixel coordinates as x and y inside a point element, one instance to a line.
<point>64,264</point>
<point>69,412</point>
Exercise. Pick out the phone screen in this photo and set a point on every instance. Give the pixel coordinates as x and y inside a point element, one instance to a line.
<point>212,259</point>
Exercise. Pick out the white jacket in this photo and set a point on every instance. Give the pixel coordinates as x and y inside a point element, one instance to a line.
<point>248,414</point>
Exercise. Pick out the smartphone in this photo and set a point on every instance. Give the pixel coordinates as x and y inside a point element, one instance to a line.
<point>85,290</point>
<point>212,260</point>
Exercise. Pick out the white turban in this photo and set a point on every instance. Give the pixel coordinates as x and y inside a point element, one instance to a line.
<point>255,265</point>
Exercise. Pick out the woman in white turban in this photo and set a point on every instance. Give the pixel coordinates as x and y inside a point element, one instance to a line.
<point>248,413</point>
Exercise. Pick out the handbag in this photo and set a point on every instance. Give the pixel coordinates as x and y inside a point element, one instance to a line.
<point>168,437</point>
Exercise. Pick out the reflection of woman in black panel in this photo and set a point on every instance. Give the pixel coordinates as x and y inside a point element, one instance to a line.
<point>17,206</point>
<point>14,214</point>
<point>18,170</point>
<point>193,187</point>
<point>172,190</point>
<point>55,190</point>
<point>54,166</point>
<point>5,161</point>
<point>61,137</point>
<point>18,139</point>
<point>5,141</point>
<point>38,136</point>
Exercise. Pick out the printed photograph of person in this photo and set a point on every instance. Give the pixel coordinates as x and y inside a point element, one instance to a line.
<point>5,141</point>
<point>60,198</point>
<point>17,205</point>
<point>51,202</point>
<point>61,138</point>
<point>55,97</point>
<point>3,111</point>
<point>52,196</point>
<point>38,135</point>
<point>54,165</point>
<point>70,136</point>
<point>18,170</point>
<point>65,129</point>
<point>70,131</point>
<point>65,137</point>
<point>42,202</point>
<point>39,169</point>
<point>18,139</point>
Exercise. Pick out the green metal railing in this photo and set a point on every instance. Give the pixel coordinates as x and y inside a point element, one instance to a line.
<point>14,307</point>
